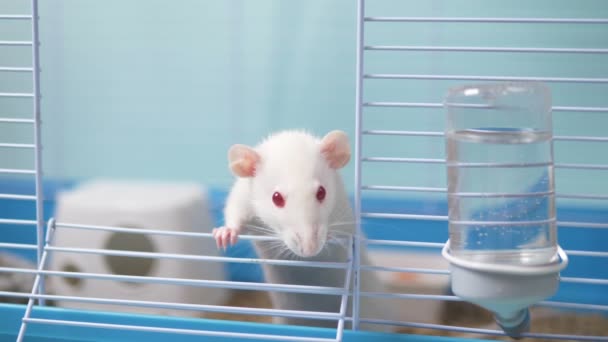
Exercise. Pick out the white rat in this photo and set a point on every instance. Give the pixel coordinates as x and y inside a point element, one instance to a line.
<point>289,187</point>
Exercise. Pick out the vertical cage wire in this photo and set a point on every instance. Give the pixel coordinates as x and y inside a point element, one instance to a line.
<point>37,141</point>
<point>36,288</point>
<point>358,154</point>
<point>41,255</point>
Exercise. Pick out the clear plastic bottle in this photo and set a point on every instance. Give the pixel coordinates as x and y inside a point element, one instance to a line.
<point>500,174</point>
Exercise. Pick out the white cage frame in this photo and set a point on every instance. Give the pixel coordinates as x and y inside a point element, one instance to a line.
<point>44,245</point>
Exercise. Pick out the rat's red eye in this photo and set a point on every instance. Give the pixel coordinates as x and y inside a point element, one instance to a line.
<point>278,199</point>
<point>321,194</point>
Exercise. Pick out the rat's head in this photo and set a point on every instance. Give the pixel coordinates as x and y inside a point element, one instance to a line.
<point>294,184</point>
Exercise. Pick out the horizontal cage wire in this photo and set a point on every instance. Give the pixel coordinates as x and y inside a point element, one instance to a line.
<point>339,317</point>
<point>354,268</point>
<point>33,149</point>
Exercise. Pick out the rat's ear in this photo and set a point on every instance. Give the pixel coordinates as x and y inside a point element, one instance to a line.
<point>335,149</point>
<point>243,160</point>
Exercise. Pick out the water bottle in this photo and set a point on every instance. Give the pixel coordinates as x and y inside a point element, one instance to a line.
<point>502,245</point>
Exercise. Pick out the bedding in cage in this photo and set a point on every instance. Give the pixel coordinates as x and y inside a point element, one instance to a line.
<point>404,244</point>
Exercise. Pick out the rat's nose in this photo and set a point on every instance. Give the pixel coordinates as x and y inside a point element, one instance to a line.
<point>308,240</point>
<point>311,246</point>
<point>309,249</point>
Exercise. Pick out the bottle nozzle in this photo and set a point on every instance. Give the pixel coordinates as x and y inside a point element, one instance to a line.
<point>516,325</point>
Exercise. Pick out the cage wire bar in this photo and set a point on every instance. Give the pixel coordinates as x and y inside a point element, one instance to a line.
<point>35,147</point>
<point>34,121</point>
<point>361,160</point>
<point>339,317</point>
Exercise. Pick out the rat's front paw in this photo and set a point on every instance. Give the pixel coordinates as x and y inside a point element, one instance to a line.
<point>225,236</point>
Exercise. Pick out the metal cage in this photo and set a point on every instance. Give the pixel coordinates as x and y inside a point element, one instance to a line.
<point>44,230</point>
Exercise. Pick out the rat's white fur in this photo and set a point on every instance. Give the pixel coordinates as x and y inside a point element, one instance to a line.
<point>291,162</point>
